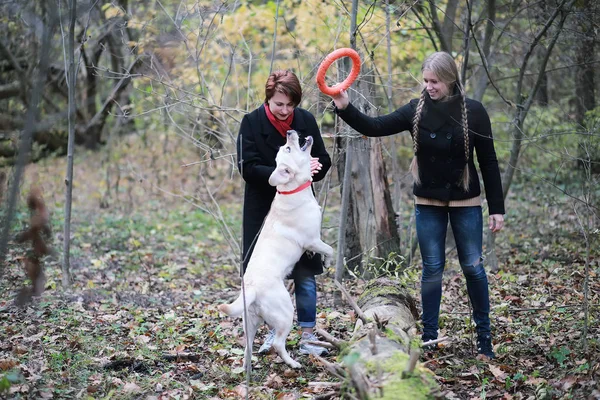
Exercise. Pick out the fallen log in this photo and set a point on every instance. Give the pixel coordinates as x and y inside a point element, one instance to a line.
<point>381,358</point>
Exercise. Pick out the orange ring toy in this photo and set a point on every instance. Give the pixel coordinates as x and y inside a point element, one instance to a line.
<point>334,55</point>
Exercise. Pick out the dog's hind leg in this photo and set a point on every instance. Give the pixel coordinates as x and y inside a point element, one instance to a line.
<point>254,321</point>
<point>279,346</point>
<point>280,316</point>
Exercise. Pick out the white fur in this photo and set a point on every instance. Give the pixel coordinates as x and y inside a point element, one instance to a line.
<point>292,227</point>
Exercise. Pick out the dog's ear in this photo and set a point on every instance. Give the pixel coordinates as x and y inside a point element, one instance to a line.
<point>282,175</point>
<point>307,146</point>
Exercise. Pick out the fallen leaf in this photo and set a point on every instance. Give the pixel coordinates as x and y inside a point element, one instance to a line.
<point>291,373</point>
<point>131,387</point>
<point>7,364</point>
<point>286,396</point>
<point>274,381</point>
<point>240,390</point>
<point>497,372</point>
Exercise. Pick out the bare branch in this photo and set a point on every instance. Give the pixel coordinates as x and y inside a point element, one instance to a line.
<point>355,306</point>
<point>534,44</point>
<point>437,28</point>
<point>119,87</point>
<point>487,70</point>
<point>10,90</point>
<point>274,37</point>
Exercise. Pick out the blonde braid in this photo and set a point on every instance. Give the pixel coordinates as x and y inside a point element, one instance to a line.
<point>414,166</point>
<point>465,124</point>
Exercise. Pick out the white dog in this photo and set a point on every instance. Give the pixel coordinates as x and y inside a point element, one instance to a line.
<point>292,227</point>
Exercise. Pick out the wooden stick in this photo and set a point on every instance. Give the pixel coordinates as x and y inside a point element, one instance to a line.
<point>435,341</point>
<point>355,306</point>
<point>373,341</point>
<point>326,396</point>
<point>360,382</point>
<point>330,338</point>
<point>320,343</point>
<point>412,362</point>
<point>325,384</point>
<point>333,368</point>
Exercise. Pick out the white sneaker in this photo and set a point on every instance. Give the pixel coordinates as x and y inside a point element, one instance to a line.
<point>307,348</point>
<point>266,346</point>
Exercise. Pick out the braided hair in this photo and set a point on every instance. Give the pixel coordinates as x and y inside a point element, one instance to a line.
<point>414,166</point>
<point>444,67</point>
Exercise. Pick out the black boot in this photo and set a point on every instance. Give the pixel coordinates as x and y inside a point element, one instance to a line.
<point>429,347</point>
<point>484,345</point>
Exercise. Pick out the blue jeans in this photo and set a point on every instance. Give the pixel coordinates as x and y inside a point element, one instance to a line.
<point>306,300</point>
<point>467,225</point>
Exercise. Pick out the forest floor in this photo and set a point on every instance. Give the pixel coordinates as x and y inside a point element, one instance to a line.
<point>150,263</point>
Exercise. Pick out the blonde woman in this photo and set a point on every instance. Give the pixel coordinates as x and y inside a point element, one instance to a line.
<point>447,129</point>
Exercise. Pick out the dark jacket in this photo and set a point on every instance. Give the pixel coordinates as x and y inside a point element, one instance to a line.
<point>441,155</point>
<point>257,145</point>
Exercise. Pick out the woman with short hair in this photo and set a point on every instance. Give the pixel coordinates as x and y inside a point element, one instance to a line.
<point>261,133</point>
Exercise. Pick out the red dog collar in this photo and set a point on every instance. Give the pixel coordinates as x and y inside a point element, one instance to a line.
<point>298,189</point>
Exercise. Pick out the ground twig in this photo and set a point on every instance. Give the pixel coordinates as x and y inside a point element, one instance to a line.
<point>338,343</point>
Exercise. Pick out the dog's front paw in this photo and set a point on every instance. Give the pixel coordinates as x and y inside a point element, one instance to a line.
<point>295,364</point>
<point>326,261</point>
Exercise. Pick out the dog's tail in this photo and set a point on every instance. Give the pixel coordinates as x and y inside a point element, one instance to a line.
<point>236,308</point>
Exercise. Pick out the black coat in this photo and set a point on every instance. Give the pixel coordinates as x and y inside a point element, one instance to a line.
<point>257,145</point>
<point>440,155</point>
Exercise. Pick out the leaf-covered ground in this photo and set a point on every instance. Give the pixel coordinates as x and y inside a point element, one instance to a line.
<point>151,261</point>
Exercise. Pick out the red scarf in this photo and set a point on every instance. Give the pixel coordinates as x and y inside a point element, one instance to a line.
<point>281,126</point>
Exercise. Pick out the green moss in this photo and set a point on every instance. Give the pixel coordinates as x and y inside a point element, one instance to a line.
<point>378,291</point>
<point>412,388</point>
<point>390,334</point>
<point>344,351</point>
<point>418,386</point>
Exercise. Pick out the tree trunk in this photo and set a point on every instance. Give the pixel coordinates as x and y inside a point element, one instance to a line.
<point>542,97</point>
<point>387,236</point>
<point>524,104</point>
<point>373,211</point>
<point>345,226</point>
<point>31,118</point>
<point>381,351</point>
<point>584,73</point>
<point>448,22</point>
<point>72,79</point>
<point>348,244</point>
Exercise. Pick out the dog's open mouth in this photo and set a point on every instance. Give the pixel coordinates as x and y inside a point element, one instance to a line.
<point>307,143</point>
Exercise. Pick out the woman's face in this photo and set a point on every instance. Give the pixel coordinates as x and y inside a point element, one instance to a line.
<point>437,89</point>
<point>281,105</point>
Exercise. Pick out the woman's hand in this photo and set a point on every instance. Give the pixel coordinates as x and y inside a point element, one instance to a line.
<point>496,222</point>
<point>315,165</point>
<point>341,100</point>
